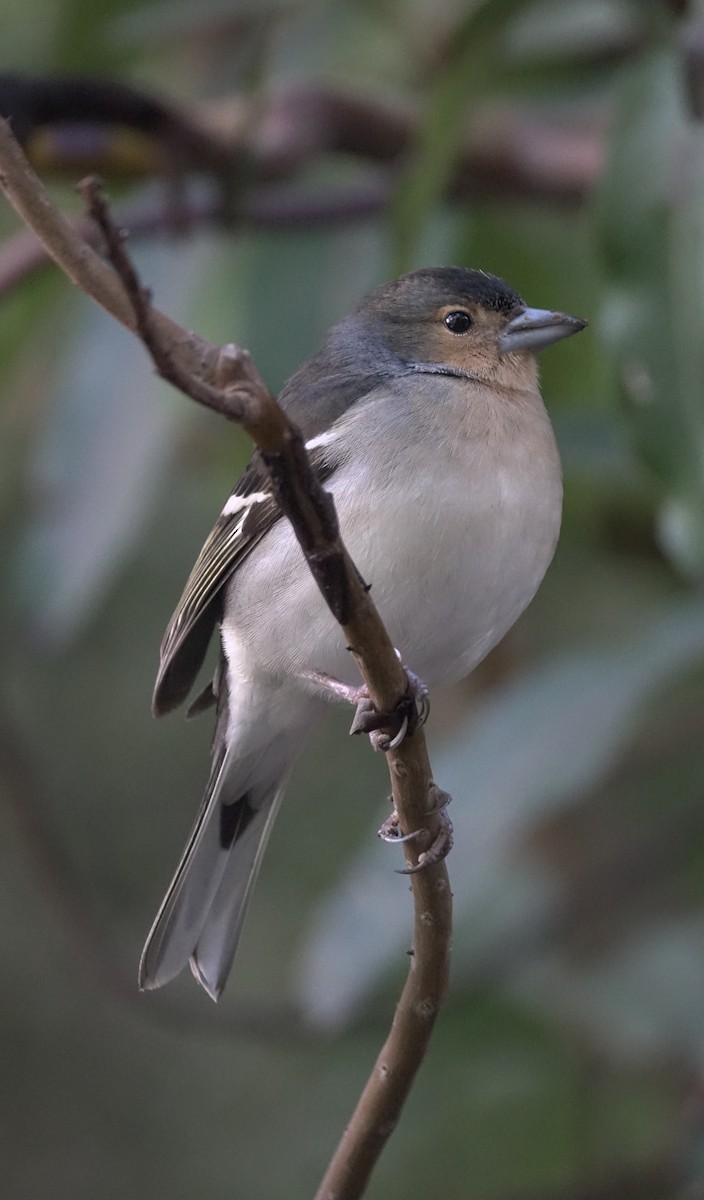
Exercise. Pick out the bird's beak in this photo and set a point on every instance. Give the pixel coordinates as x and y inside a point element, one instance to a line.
<point>534,329</point>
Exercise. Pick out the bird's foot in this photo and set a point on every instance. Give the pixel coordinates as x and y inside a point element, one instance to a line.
<point>442,843</point>
<point>386,730</point>
<point>419,692</point>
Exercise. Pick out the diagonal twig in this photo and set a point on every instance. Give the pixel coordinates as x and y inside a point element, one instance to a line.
<point>227,381</point>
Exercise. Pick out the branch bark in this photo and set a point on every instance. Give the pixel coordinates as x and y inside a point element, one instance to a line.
<point>227,381</point>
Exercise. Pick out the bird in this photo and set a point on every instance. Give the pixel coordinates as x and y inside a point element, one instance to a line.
<point>422,414</point>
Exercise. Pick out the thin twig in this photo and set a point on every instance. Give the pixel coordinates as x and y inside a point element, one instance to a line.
<point>71,253</point>
<point>270,207</point>
<point>227,381</point>
<point>248,401</point>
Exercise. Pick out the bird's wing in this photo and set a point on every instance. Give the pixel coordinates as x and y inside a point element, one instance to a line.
<point>248,515</point>
<point>316,397</point>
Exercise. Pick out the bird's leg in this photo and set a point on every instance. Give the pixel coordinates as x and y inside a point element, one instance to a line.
<point>386,730</point>
<point>442,844</point>
<point>366,718</point>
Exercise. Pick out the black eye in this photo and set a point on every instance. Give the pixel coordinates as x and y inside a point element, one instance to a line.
<point>458,322</point>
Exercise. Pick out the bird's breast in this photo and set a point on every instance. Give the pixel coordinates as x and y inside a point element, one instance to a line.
<point>453,535</point>
<point>452,565</point>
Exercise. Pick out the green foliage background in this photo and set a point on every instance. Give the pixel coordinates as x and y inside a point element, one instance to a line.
<point>570,1050</point>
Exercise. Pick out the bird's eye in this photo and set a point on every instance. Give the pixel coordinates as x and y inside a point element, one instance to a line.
<point>458,322</point>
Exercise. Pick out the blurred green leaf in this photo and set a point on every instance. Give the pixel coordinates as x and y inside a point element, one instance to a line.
<point>652,234</point>
<point>103,453</point>
<point>552,30</point>
<point>633,197</point>
<point>468,68</point>
<point>636,996</point>
<point>537,745</point>
<point>81,41</point>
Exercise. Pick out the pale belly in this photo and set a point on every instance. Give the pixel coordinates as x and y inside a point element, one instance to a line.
<point>449,574</point>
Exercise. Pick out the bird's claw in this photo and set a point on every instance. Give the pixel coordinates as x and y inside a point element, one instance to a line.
<point>411,712</point>
<point>390,831</point>
<point>420,693</point>
<point>442,843</point>
<point>386,730</point>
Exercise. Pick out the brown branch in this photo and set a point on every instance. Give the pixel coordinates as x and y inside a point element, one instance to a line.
<point>283,134</point>
<point>509,154</point>
<point>227,381</point>
<point>264,208</point>
<point>508,150</point>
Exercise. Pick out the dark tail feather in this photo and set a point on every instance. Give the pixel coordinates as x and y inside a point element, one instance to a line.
<point>203,911</point>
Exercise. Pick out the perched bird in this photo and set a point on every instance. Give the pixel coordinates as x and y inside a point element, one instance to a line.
<point>423,416</point>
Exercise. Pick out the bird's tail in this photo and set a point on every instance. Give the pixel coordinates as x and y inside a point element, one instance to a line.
<point>202,914</point>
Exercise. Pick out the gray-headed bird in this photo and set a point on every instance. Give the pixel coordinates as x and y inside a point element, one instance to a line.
<point>423,417</point>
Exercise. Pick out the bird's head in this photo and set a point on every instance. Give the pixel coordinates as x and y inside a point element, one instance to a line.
<point>464,321</point>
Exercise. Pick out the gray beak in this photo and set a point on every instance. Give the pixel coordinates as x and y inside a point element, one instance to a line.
<point>534,329</point>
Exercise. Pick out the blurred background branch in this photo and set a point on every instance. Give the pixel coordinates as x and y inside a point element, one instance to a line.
<point>509,154</point>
